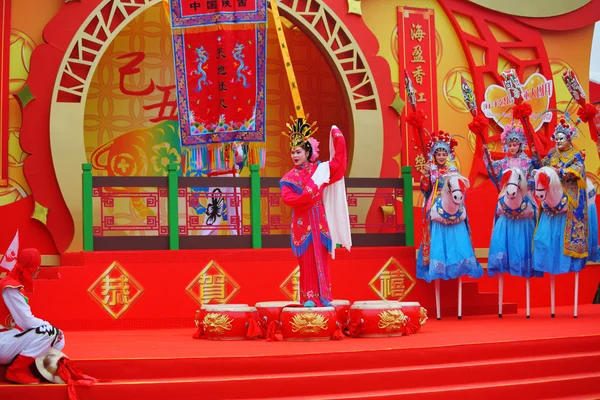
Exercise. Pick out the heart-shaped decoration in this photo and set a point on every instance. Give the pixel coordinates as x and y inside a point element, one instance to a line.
<point>537,91</point>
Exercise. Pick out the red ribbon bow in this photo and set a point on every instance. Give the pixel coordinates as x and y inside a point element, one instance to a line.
<point>522,110</point>
<point>479,125</point>
<point>416,119</point>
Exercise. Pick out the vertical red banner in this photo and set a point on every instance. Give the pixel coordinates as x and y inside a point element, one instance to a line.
<point>4,92</point>
<point>416,55</point>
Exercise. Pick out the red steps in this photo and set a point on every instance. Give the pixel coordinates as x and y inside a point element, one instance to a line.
<point>525,369</point>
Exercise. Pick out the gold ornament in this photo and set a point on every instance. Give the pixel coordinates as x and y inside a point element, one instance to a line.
<point>40,213</point>
<point>392,320</point>
<point>217,323</point>
<point>422,316</point>
<point>398,104</point>
<point>354,7</point>
<point>24,96</point>
<point>300,131</point>
<point>306,323</point>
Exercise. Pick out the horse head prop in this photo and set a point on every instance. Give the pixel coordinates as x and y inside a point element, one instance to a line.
<point>450,208</point>
<point>548,188</point>
<point>455,187</point>
<point>513,184</point>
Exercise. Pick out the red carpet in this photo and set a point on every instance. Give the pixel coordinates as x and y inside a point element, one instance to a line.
<point>477,357</point>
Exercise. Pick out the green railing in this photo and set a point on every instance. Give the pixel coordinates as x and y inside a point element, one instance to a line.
<point>173,183</point>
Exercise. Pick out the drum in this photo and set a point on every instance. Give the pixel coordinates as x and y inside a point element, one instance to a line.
<point>308,323</point>
<point>230,323</point>
<point>341,308</point>
<point>376,319</point>
<point>269,311</point>
<point>416,314</point>
<point>202,311</point>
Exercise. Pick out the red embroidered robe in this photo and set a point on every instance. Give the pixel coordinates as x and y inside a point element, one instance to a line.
<point>310,236</point>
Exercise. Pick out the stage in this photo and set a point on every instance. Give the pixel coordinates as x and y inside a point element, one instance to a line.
<point>476,357</point>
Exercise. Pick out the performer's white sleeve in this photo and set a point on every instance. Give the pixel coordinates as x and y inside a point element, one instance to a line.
<point>20,310</point>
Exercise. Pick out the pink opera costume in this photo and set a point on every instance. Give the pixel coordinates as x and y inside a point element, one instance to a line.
<point>446,250</point>
<point>560,242</point>
<point>23,337</point>
<point>316,192</point>
<point>515,216</point>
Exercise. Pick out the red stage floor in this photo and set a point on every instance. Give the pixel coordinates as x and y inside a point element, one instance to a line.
<point>177,343</point>
<point>474,358</point>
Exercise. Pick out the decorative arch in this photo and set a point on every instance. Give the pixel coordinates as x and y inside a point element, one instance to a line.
<point>109,17</point>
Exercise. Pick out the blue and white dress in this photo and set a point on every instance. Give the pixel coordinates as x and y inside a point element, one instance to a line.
<point>511,244</point>
<point>446,251</point>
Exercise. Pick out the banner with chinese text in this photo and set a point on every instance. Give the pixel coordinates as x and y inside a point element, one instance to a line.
<point>416,55</point>
<point>220,52</point>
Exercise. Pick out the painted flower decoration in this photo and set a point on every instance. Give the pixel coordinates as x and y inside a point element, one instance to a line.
<point>164,155</point>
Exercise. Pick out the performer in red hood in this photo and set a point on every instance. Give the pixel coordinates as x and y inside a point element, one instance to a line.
<point>23,337</point>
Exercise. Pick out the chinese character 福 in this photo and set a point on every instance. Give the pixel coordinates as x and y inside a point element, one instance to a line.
<point>392,284</point>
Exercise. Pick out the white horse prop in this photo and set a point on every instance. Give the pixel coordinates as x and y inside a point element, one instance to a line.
<point>549,191</point>
<point>513,195</point>
<point>452,211</point>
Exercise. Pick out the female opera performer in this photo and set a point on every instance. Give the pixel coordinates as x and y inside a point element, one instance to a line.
<point>306,188</point>
<point>446,250</point>
<point>514,219</point>
<point>508,255</point>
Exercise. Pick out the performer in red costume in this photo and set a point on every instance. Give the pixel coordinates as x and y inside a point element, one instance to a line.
<point>306,188</point>
<point>23,337</point>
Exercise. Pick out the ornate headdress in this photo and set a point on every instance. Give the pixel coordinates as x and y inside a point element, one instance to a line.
<point>441,141</point>
<point>513,131</point>
<point>300,133</point>
<point>563,127</point>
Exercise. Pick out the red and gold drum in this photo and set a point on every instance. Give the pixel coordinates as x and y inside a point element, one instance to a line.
<point>416,314</point>
<point>341,308</point>
<point>228,323</point>
<point>305,324</point>
<point>376,319</point>
<point>199,317</point>
<point>269,311</point>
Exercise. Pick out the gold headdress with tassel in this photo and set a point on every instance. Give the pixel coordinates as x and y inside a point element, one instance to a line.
<point>299,131</point>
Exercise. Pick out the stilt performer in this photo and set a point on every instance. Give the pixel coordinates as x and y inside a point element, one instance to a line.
<point>446,250</point>
<point>514,222</point>
<point>587,113</point>
<point>560,241</point>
